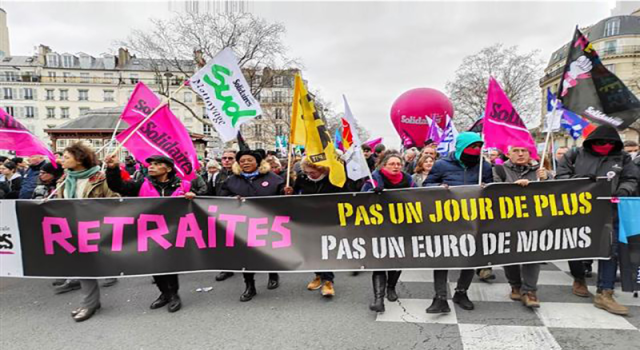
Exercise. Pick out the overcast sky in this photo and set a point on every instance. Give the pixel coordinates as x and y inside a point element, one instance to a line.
<point>370,51</point>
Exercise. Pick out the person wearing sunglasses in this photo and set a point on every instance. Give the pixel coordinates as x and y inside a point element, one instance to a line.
<point>601,155</point>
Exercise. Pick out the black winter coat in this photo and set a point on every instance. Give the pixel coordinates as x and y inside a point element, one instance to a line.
<point>267,184</point>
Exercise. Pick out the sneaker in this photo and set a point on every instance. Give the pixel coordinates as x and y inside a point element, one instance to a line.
<point>515,294</point>
<point>439,306</point>
<point>315,284</point>
<point>327,289</point>
<point>486,275</point>
<point>461,298</point>
<point>529,299</point>
<point>604,300</point>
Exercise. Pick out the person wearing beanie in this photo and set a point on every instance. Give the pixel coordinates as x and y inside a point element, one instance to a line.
<point>459,168</point>
<point>252,177</point>
<point>49,176</point>
<point>601,155</point>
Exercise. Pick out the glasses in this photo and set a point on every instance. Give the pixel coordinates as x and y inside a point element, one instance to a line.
<point>227,158</point>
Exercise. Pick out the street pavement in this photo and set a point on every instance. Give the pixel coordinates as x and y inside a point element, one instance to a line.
<point>291,317</point>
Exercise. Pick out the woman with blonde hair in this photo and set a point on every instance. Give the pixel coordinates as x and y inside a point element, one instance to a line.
<point>422,169</point>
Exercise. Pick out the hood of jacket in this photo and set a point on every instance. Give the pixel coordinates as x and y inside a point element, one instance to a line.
<point>464,140</point>
<point>604,132</point>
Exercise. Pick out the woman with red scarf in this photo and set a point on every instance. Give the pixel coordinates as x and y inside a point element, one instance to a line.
<point>388,176</point>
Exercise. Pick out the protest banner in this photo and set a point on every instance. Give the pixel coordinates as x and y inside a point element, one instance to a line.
<point>456,228</point>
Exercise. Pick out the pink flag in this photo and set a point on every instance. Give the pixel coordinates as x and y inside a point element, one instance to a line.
<point>141,103</point>
<point>435,133</point>
<point>373,143</point>
<point>163,134</point>
<point>15,137</point>
<point>502,124</point>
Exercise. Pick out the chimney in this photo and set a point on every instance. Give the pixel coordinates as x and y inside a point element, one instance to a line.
<point>43,50</point>
<point>198,57</point>
<point>123,57</point>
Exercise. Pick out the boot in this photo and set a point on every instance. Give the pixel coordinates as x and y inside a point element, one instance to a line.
<point>391,285</point>
<point>327,289</point>
<point>223,276</point>
<point>530,299</point>
<point>439,306</point>
<point>160,302</point>
<point>379,284</point>
<point>274,281</point>
<point>249,292</point>
<point>315,284</point>
<point>515,293</point>
<point>460,297</point>
<point>580,288</point>
<point>604,300</point>
<point>67,286</point>
<point>174,303</point>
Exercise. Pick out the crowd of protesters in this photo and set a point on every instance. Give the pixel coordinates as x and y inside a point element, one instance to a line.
<point>254,173</point>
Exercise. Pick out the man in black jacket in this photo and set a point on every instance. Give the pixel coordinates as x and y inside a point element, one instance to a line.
<point>227,160</point>
<point>601,154</point>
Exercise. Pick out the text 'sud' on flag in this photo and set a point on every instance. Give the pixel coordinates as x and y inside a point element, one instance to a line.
<point>163,134</point>
<point>16,137</point>
<point>588,88</point>
<point>502,126</point>
<point>317,141</point>
<point>227,96</point>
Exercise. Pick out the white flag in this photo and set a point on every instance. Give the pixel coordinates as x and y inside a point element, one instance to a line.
<point>226,94</point>
<point>553,118</point>
<point>357,167</point>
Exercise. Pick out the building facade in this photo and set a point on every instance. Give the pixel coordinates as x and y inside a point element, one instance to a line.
<point>48,89</point>
<point>617,41</point>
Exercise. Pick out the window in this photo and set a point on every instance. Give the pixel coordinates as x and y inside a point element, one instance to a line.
<point>206,129</point>
<point>277,81</point>
<point>257,130</point>
<point>610,47</point>
<point>65,112</point>
<point>83,110</point>
<point>188,97</point>
<point>83,95</point>
<point>49,96</point>
<point>64,95</point>
<point>277,97</point>
<point>67,61</point>
<point>51,112</point>
<point>28,94</point>
<point>256,80</point>
<point>84,78</point>
<point>52,60</point>
<point>258,145</point>
<point>8,93</point>
<point>29,112</point>
<point>10,110</point>
<point>108,78</point>
<point>66,77</point>
<point>52,75</point>
<point>108,96</point>
<point>612,27</point>
<point>279,113</point>
<point>611,68</point>
<point>134,78</point>
<point>10,76</point>
<point>279,130</point>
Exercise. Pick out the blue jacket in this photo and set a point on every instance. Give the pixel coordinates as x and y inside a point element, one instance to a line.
<point>377,177</point>
<point>451,172</point>
<point>30,181</point>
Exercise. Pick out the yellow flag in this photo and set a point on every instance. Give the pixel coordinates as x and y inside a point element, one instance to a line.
<point>308,129</point>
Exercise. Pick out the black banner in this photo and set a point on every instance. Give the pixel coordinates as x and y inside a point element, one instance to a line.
<point>460,227</point>
<point>588,88</point>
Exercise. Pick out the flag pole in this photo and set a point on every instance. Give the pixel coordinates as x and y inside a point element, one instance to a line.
<point>289,164</point>
<point>549,132</point>
<point>113,137</point>
<point>164,102</point>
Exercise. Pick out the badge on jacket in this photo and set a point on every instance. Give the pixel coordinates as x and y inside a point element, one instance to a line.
<point>265,184</point>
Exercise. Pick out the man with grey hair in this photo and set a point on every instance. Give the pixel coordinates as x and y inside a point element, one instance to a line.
<point>227,159</point>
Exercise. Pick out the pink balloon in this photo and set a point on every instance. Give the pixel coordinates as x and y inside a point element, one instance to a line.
<point>410,111</point>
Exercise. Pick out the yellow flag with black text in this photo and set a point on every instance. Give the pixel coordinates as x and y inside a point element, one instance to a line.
<point>308,129</point>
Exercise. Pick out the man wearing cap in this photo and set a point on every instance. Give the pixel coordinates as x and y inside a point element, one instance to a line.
<point>601,154</point>
<point>252,178</point>
<point>161,181</point>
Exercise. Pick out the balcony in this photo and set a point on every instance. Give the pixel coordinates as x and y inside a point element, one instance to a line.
<point>82,80</point>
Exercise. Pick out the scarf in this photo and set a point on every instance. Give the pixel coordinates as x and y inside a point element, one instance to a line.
<point>72,179</point>
<point>251,175</point>
<point>602,150</point>
<point>319,178</point>
<point>393,178</point>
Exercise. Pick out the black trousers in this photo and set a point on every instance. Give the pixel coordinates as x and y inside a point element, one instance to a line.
<point>168,284</point>
<point>249,277</point>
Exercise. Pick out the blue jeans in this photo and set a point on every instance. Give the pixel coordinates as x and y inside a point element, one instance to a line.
<point>607,268</point>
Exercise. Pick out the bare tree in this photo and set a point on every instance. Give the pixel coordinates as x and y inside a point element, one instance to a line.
<point>517,73</point>
<point>186,41</point>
